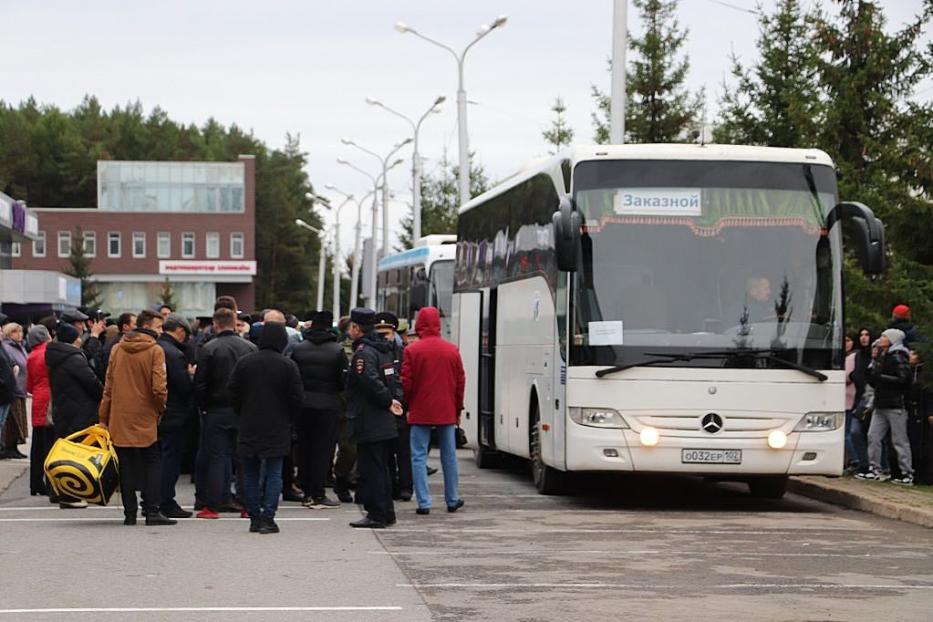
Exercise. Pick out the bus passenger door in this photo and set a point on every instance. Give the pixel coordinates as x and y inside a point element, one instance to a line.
<point>467,315</point>
<point>487,369</point>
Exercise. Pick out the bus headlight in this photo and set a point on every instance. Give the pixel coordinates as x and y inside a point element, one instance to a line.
<point>649,437</point>
<point>820,422</point>
<point>598,417</point>
<point>777,439</point>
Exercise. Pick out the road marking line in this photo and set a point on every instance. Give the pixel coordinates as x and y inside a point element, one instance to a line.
<point>98,508</point>
<point>189,609</point>
<point>105,519</point>
<point>632,586</point>
<point>619,530</point>
<point>449,551</point>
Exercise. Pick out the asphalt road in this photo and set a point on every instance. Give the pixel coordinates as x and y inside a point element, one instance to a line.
<point>637,549</point>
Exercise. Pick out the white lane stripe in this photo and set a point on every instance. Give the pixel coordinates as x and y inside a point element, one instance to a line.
<point>531,530</point>
<point>105,519</point>
<point>633,586</point>
<point>98,508</point>
<point>189,609</point>
<point>521,553</point>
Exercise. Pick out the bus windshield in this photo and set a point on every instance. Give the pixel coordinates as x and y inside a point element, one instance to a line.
<point>442,286</point>
<point>678,256</point>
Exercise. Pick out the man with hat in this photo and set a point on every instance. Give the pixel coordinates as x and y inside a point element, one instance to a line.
<point>901,320</point>
<point>90,328</point>
<point>323,367</point>
<point>371,414</point>
<point>175,425</point>
<point>400,464</point>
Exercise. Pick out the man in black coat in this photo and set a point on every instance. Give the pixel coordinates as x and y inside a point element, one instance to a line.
<point>174,428</point>
<point>76,390</point>
<point>126,322</point>
<point>266,393</point>
<point>371,416</point>
<point>216,360</point>
<point>323,367</point>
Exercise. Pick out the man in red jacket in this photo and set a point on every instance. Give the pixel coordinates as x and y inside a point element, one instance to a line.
<point>433,380</point>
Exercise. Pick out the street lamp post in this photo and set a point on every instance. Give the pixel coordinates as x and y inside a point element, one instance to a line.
<point>320,270</point>
<point>384,162</point>
<point>373,263</point>
<point>337,257</point>
<point>415,161</point>
<point>464,176</point>
<point>357,242</point>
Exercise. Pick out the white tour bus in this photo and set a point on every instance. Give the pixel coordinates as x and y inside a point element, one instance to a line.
<point>660,308</point>
<point>419,277</point>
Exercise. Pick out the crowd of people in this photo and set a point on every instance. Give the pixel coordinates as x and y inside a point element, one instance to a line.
<point>259,409</point>
<point>889,404</point>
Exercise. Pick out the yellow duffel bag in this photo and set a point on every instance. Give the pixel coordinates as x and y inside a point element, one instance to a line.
<point>83,466</point>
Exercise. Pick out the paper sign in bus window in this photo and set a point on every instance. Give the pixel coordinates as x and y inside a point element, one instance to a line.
<point>605,333</point>
<point>659,201</point>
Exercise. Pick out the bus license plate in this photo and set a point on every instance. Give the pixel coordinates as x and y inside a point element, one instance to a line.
<point>711,456</point>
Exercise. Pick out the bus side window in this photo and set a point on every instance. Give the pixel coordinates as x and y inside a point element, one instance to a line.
<point>418,291</point>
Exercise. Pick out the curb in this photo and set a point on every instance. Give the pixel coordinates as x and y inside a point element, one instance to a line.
<point>887,509</point>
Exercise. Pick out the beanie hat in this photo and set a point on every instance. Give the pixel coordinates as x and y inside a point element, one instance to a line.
<point>37,334</point>
<point>273,337</point>
<point>895,336</point>
<point>901,311</point>
<point>67,333</point>
<point>322,319</point>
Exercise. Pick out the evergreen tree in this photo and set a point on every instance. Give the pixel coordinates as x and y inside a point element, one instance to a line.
<point>440,200</point>
<point>167,295</point>
<point>79,266</point>
<point>560,134</point>
<point>778,101</point>
<point>658,107</point>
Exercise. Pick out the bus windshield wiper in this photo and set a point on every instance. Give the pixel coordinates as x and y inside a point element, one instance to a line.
<point>772,356</point>
<point>665,358</point>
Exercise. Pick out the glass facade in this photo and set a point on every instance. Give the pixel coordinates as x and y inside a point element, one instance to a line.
<point>189,187</point>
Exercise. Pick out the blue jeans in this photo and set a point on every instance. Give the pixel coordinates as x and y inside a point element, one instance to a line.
<point>262,484</point>
<point>172,444</point>
<point>857,441</point>
<point>4,411</point>
<point>447,440</point>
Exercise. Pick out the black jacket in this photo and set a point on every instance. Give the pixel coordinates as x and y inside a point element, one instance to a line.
<point>103,358</point>
<point>7,380</point>
<point>180,404</point>
<point>890,375</point>
<point>909,329</point>
<point>369,386</point>
<point>216,359</point>
<point>323,367</point>
<point>266,391</point>
<point>76,390</point>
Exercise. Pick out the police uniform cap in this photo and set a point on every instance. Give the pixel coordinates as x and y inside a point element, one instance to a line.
<point>386,319</point>
<point>363,316</point>
<point>97,312</point>
<point>73,315</point>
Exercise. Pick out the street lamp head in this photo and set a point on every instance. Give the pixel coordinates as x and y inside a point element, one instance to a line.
<point>482,30</point>
<point>373,102</point>
<point>440,100</point>
<point>403,143</point>
<point>402,27</point>
<point>396,163</point>
<point>341,161</point>
<point>499,22</point>
<point>347,141</point>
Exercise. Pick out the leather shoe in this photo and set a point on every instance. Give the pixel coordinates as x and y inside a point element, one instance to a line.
<point>291,495</point>
<point>158,518</point>
<point>267,525</point>
<point>176,512</point>
<point>129,520</point>
<point>423,511</point>
<point>456,506</point>
<point>367,523</point>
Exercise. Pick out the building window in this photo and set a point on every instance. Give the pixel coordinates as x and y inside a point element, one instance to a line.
<point>139,244</point>
<point>90,244</point>
<point>212,245</point>
<point>187,245</point>
<point>113,244</point>
<point>38,245</point>
<point>236,246</point>
<point>16,249</point>
<point>64,243</point>
<point>164,245</point>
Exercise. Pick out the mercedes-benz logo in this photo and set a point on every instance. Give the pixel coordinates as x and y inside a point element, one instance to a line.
<point>711,423</point>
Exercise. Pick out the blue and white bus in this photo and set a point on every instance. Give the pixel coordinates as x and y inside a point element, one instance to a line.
<point>419,277</point>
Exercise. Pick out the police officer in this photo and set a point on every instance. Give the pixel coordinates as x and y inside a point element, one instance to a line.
<point>400,464</point>
<point>371,414</point>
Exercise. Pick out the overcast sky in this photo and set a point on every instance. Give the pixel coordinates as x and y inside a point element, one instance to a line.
<point>307,66</point>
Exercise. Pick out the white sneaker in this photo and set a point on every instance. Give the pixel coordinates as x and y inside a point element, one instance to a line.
<point>72,505</point>
<point>907,480</point>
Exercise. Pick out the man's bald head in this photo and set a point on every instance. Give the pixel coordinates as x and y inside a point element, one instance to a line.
<point>273,315</point>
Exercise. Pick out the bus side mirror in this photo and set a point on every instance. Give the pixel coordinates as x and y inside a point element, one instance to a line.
<point>868,232</point>
<point>566,235</point>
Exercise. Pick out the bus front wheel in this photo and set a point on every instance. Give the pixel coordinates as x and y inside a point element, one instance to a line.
<point>548,480</point>
<point>773,487</point>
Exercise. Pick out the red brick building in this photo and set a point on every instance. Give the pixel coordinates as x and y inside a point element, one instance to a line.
<point>191,223</point>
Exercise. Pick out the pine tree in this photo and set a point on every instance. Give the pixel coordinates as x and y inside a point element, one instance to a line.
<point>167,295</point>
<point>79,266</point>
<point>658,107</point>
<point>777,102</point>
<point>440,200</point>
<point>560,134</point>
